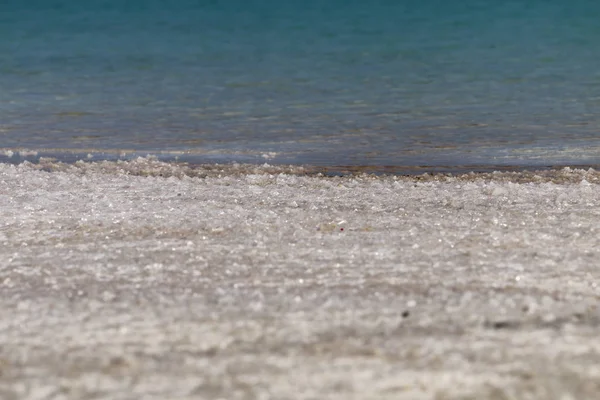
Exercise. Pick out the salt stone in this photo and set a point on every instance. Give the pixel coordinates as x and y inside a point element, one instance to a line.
<point>246,276</point>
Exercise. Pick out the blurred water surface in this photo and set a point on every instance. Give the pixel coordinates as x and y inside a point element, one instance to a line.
<point>335,82</point>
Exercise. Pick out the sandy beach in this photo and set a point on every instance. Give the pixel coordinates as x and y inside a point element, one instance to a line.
<point>148,280</point>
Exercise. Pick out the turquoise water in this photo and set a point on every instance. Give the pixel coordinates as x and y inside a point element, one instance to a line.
<point>320,82</point>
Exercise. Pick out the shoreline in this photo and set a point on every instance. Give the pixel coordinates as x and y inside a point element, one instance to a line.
<point>152,166</point>
<point>206,159</point>
<point>147,279</point>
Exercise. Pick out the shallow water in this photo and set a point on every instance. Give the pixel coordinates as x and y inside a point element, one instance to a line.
<point>336,83</point>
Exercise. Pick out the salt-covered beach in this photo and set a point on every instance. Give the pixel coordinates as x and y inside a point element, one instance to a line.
<point>142,279</point>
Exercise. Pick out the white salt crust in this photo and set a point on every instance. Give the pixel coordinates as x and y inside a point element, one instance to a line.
<point>246,282</point>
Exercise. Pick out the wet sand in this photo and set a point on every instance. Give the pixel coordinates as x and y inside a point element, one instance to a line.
<point>141,279</point>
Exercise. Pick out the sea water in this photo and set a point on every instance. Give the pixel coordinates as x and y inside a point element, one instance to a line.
<point>419,83</point>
